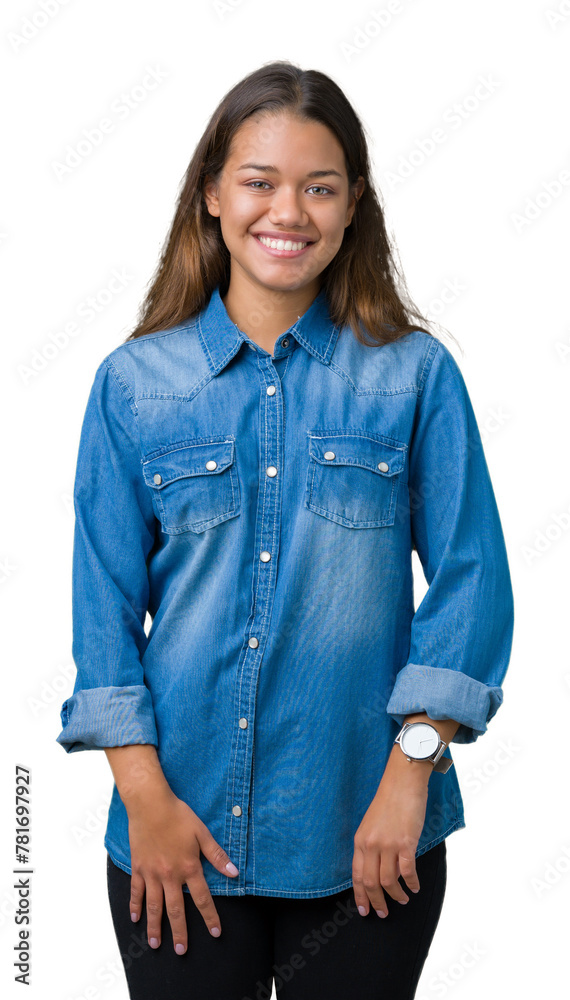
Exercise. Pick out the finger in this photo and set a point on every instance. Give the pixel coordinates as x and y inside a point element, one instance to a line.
<point>137,895</point>
<point>407,865</point>
<point>360,892</point>
<point>203,899</point>
<point>174,901</point>
<point>215,853</point>
<point>358,888</point>
<point>154,907</point>
<point>389,874</point>
<point>371,881</point>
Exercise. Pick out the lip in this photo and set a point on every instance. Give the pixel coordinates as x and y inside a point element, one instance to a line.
<point>272,235</point>
<point>282,253</point>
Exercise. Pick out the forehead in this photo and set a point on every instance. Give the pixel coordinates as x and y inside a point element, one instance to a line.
<point>266,138</point>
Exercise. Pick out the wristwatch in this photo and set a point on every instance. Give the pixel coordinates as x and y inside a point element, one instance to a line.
<point>420,741</point>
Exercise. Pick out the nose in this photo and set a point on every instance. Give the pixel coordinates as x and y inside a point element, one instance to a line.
<point>285,209</point>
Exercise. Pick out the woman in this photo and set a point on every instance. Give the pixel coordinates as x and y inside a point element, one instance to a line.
<point>257,462</point>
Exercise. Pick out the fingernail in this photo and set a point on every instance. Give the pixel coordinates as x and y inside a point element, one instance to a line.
<point>179,949</point>
<point>362,911</point>
<point>402,901</point>
<point>153,942</point>
<point>381,913</point>
<point>215,931</point>
<point>134,916</point>
<point>415,890</point>
<point>231,868</point>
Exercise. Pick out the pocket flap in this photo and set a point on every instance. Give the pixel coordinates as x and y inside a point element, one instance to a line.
<point>188,460</point>
<point>376,454</point>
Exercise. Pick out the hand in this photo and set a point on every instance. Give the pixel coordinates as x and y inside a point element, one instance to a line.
<point>166,837</point>
<point>386,840</point>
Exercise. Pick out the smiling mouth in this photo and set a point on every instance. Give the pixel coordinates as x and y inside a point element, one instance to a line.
<point>283,246</point>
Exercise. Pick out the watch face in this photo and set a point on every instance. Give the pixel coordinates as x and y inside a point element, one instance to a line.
<point>420,740</point>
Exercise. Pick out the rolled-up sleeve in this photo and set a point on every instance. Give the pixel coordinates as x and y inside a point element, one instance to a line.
<point>114,532</point>
<point>461,633</point>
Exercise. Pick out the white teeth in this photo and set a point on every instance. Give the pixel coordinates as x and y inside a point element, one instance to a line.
<point>281,244</point>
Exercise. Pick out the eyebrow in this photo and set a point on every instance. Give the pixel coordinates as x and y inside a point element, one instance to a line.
<point>268,168</point>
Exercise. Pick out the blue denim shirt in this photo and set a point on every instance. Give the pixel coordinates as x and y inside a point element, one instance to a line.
<point>263,510</point>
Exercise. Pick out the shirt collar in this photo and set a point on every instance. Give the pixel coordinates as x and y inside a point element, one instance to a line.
<point>221,339</point>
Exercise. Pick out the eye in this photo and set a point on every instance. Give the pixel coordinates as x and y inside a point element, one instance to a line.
<point>312,188</point>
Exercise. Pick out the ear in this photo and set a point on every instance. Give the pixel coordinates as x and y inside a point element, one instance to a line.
<point>210,192</point>
<point>356,195</point>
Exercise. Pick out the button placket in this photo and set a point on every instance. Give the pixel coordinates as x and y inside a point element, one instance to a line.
<point>267,528</point>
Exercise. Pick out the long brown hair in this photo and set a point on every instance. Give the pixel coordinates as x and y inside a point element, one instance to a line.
<point>363,283</point>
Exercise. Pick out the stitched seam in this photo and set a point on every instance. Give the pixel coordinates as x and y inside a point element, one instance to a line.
<point>118,378</point>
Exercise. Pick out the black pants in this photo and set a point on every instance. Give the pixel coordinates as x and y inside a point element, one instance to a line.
<point>312,948</point>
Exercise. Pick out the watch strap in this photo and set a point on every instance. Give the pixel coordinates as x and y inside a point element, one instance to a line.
<point>443,764</point>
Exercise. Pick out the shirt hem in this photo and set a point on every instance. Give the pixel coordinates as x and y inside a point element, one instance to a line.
<point>256,890</point>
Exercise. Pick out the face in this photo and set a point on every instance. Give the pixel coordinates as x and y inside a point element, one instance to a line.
<point>284,180</point>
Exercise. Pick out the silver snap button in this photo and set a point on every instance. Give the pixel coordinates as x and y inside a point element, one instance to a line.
<point>158,478</point>
<point>271,390</point>
<point>285,343</point>
<point>271,470</point>
<point>243,723</point>
<point>383,466</point>
<point>236,810</point>
<point>330,454</point>
<point>265,556</point>
<point>253,642</point>
<point>211,465</point>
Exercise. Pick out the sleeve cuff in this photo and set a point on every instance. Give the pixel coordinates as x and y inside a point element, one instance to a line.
<point>445,694</point>
<point>107,717</point>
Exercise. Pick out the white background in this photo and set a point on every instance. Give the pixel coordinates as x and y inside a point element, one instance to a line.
<point>481,213</point>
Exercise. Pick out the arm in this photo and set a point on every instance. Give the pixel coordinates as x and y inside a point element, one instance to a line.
<point>461,633</point>
<point>111,707</point>
<point>114,532</point>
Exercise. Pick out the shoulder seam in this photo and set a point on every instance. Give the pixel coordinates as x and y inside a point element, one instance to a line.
<point>121,383</point>
<point>430,356</point>
<point>453,369</point>
<point>156,334</point>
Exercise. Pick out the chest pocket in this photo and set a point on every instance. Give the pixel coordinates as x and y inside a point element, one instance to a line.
<point>194,486</point>
<point>353,478</point>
